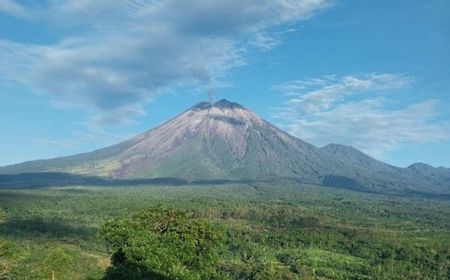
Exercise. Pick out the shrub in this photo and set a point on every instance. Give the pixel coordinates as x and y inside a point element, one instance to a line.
<point>162,244</point>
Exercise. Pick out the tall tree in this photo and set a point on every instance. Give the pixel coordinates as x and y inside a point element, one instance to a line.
<point>163,244</point>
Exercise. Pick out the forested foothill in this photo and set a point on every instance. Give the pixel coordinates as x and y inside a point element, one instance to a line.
<point>236,231</point>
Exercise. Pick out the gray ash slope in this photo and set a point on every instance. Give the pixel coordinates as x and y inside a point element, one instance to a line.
<point>227,141</point>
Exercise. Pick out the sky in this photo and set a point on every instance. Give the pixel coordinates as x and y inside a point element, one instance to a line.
<point>78,75</point>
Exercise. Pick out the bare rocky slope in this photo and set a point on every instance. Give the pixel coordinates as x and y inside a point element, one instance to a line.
<point>227,141</point>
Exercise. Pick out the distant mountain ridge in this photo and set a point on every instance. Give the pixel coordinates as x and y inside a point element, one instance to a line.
<point>225,140</point>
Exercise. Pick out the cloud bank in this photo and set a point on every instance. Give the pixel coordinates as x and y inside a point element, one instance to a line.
<point>359,110</point>
<point>115,56</point>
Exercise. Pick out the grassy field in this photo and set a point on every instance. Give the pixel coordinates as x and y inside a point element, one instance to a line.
<point>287,231</point>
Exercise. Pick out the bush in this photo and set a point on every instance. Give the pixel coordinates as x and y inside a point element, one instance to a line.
<point>162,244</point>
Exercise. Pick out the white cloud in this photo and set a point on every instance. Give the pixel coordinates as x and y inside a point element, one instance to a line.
<point>12,8</point>
<point>121,54</point>
<point>357,111</point>
<point>316,95</point>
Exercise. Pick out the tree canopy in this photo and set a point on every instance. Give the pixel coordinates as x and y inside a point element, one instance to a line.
<point>161,243</point>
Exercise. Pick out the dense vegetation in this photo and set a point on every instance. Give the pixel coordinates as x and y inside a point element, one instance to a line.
<point>162,244</point>
<point>287,231</point>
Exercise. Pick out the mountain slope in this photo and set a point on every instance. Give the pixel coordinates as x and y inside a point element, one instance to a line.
<point>227,141</point>
<point>380,176</point>
<point>224,140</point>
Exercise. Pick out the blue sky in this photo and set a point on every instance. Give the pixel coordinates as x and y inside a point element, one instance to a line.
<point>77,75</point>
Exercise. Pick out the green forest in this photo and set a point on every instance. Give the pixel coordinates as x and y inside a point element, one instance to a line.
<point>286,230</point>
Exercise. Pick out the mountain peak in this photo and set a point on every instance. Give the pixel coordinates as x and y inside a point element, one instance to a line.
<point>202,106</point>
<point>351,154</point>
<point>339,148</point>
<point>420,166</point>
<point>221,104</point>
<point>224,103</point>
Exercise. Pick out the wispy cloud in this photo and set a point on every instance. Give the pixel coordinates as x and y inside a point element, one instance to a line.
<point>82,139</point>
<point>57,143</point>
<point>357,110</point>
<point>123,53</point>
<point>316,95</point>
<point>12,8</point>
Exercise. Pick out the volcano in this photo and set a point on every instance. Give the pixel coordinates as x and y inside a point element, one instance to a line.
<point>225,140</point>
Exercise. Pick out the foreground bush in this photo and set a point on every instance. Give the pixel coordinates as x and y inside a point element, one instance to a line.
<point>162,244</point>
